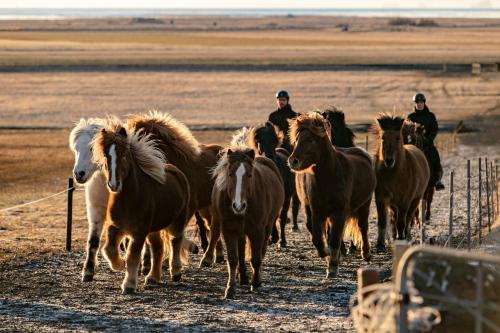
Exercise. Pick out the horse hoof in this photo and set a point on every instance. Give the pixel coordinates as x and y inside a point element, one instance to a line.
<point>244,281</point>
<point>151,281</point>
<point>254,287</point>
<point>295,228</point>
<point>366,257</point>
<point>282,245</point>
<point>87,277</point>
<point>380,247</point>
<point>331,274</point>
<point>194,249</point>
<point>206,262</point>
<point>324,253</point>
<point>176,277</point>
<point>229,294</point>
<point>219,259</point>
<point>145,270</point>
<point>128,291</point>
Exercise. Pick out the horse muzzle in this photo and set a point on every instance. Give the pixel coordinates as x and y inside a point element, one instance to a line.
<point>389,163</point>
<point>115,188</point>
<point>294,163</point>
<point>80,176</point>
<point>239,209</point>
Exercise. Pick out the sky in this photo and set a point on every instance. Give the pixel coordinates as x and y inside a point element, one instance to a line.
<point>248,4</point>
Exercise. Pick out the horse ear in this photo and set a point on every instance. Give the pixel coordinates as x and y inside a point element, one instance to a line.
<point>103,130</point>
<point>324,114</point>
<point>229,151</point>
<point>251,154</point>
<point>269,124</point>
<point>122,131</point>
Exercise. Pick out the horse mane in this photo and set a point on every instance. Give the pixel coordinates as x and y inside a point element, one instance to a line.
<point>241,137</point>
<point>89,126</point>
<point>169,130</point>
<point>337,113</point>
<point>388,122</point>
<point>144,151</point>
<point>312,121</point>
<point>239,144</point>
<point>267,125</point>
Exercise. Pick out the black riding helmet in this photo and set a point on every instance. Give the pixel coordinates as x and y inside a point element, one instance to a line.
<point>282,94</point>
<point>419,97</point>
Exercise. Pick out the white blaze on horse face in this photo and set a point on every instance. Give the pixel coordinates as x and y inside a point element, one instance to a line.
<point>84,167</point>
<point>112,154</point>
<point>239,181</point>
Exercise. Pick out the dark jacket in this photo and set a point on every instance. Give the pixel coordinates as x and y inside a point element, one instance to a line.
<point>428,120</point>
<point>280,119</point>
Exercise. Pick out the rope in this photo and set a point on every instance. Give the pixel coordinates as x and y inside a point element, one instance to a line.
<point>36,201</point>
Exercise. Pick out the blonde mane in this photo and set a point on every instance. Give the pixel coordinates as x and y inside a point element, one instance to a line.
<point>239,143</point>
<point>143,149</point>
<point>88,126</point>
<point>169,130</point>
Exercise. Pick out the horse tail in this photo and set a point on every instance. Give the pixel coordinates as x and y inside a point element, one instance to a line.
<point>188,246</point>
<point>352,231</point>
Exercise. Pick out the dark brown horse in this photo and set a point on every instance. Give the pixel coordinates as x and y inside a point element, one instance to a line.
<point>195,160</point>
<point>334,187</point>
<point>341,135</point>
<point>414,134</point>
<point>264,139</point>
<point>146,196</point>
<point>402,177</point>
<point>247,198</point>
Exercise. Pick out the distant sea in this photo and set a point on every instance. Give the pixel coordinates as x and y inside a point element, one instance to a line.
<point>54,14</point>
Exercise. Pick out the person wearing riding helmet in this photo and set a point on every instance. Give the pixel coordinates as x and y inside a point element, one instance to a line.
<point>281,116</point>
<point>422,115</point>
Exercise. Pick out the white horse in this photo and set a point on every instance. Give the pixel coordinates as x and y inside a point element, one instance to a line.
<point>86,172</point>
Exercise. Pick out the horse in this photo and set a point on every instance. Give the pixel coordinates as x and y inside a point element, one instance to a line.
<point>402,177</point>
<point>341,135</point>
<point>246,200</point>
<point>414,133</point>
<point>334,186</point>
<point>265,140</point>
<point>146,196</point>
<point>195,160</point>
<point>86,172</point>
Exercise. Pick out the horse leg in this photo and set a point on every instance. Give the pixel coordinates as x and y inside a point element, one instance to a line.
<point>363,215</point>
<point>155,242</point>
<point>401,223</point>
<point>382,225</point>
<point>334,239</point>
<point>146,260</point>
<point>308,219</point>
<point>231,240</point>
<point>429,196</point>
<point>242,268</point>
<point>175,263</point>
<point>283,218</point>
<point>134,249</point>
<point>208,256</point>
<point>111,248</point>
<point>318,230</point>
<point>96,223</point>
<point>257,247</point>
<point>202,231</point>
<point>274,234</point>
<point>409,217</point>
<point>295,210</point>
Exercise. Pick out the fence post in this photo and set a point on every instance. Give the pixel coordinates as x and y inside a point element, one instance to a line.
<point>450,218</point>
<point>69,220</point>
<point>488,194</point>
<point>496,186</point>
<point>480,222</point>
<point>366,143</point>
<point>468,206</point>
<point>492,193</point>
<point>422,224</point>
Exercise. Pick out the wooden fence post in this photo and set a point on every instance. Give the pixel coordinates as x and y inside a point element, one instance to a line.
<point>488,194</point>
<point>480,221</point>
<point>450,218</point>
<point>468,206</point>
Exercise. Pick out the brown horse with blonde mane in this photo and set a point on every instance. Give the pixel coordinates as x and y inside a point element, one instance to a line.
<point>195,160</point>
<point>146,196</point>
<point>246,200</point>
<point>334,186</point>
<point>402,177</point>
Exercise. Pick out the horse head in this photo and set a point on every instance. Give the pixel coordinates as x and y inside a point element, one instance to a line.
<point>265,139</point>
<point>390,139</point>
<point>239,169</point>
<point>308,133</point>
<point>110,151</point>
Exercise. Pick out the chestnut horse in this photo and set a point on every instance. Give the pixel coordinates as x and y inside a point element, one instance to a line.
<point>341,135</point>
<point>146,196</point>
<point>334,186</point>
<point>246,200</point>
<point>402,177</point>
<point>265,140</point>
<point>414,133</point>
<point>195,160</point>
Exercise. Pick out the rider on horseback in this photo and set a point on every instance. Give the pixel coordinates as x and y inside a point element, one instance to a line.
<point>281,115</point>
<point>422,115</point>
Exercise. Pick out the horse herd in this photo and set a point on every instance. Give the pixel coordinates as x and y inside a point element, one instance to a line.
<point>145,178</point>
